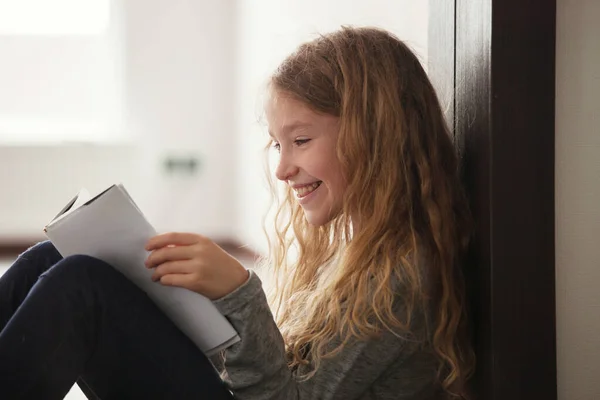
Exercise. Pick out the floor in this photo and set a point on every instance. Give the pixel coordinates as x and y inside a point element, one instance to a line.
<point>75,393</point>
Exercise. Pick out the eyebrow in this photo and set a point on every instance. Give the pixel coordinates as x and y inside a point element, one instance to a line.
<point>289,128</point>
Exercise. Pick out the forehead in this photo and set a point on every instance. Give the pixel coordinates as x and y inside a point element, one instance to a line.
<point>283,108</point>
<point>285,115</point>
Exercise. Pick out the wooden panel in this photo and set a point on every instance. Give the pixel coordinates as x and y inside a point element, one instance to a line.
<point>504,127</point>
<point>522,193</point>
<point>473,137</point>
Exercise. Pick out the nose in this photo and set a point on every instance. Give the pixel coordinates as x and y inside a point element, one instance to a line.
<point>286,168</point>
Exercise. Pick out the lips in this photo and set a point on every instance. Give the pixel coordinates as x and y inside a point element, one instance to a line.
<point>305,190</point>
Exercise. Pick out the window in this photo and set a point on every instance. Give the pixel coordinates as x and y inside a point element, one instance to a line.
<point>54,17</point>
<point>61,72</point>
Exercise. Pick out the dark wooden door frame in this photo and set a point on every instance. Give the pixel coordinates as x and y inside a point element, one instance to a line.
<point>493,63</point>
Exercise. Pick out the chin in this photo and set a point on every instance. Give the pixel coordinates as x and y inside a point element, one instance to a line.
<point>317,218</point>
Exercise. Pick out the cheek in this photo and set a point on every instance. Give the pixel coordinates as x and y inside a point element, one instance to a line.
<point>337,181</point>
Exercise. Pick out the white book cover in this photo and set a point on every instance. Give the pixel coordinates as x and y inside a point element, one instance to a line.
<point>112,228</point>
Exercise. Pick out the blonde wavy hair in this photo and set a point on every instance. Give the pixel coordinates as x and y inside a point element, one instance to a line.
<point>403,185</point>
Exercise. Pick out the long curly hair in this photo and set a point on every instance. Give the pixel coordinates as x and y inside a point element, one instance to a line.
<point>403,185</point>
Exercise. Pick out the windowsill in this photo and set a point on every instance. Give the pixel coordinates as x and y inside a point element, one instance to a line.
<point>7,141</point>
<point>34,130</point>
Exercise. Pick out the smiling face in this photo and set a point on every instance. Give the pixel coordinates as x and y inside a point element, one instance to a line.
<point>306,142</point>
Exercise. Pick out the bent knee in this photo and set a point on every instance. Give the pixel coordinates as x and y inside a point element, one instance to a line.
<point>41,249</point>
<point>78,266</point>
<point>82,259</point>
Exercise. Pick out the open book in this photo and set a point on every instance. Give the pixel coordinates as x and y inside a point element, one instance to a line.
<point>112,228</point>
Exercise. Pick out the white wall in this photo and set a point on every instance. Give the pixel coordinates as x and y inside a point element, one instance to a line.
<point>180,81</point>
<point>268,31</point>
<point>186,78</point>
<point>170,77</point>
<point>57,80</point>
<point>38,181</point>
<point>578,199</point>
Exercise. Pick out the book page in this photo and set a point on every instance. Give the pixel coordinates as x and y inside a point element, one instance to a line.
<point>73,205</point>
<point>111,228</point>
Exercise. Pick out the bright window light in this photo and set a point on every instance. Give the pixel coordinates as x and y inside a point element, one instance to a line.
<point>54,17</point>
<point>56,130</point>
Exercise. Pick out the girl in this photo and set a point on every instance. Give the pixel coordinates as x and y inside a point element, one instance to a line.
<point>372,307</point>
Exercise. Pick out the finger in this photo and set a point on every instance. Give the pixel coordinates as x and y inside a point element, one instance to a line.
<point>173,267</point>
<point>172,238</point>
<point>166,254</point>
<point>179,280</point>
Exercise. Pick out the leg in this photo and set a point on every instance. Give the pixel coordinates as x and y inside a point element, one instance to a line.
<point>84,320</point>
<point>22,275</point>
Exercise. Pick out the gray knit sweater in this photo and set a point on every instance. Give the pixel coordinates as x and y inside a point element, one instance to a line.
<point>256,367</point>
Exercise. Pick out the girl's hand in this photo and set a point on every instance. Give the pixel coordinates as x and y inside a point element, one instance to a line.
<point>194,262</point>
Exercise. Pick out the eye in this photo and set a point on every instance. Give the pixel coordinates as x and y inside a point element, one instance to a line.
<point>300,142</point>
<point>276,146</point>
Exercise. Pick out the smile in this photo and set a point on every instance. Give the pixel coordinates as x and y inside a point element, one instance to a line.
<point>306,190</point>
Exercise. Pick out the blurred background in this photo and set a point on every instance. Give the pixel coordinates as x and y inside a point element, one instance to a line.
<point>164,97</point>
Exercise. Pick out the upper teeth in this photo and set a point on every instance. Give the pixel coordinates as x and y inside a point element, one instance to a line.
<point>304,190</point>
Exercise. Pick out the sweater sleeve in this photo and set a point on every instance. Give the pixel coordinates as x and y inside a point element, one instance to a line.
<point>256,366</point>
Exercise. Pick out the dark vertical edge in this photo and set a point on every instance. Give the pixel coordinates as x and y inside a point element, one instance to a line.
<point>504,116</point>
<point>522,198</point>
<point>473,135</point>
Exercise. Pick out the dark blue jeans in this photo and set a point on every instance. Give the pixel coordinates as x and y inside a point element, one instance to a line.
<point>78,319</point>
